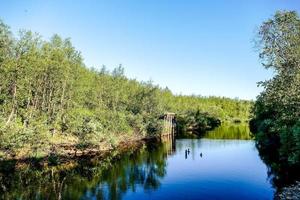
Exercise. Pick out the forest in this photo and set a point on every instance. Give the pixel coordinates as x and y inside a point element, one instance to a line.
<point>276,113</point>
<point>50,98</point>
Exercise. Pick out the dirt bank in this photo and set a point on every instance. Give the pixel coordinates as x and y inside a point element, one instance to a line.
<point>71,154</point>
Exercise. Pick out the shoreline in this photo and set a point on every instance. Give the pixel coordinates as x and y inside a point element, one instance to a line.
<point>289,192</point>
<point>103,157</point>
<point>72,155</point>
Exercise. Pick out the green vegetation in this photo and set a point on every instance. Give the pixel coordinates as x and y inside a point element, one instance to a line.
<point>226,131</point>
<point>50,99</point>
<point>276,112</point>
<point>111,178</point>
<point>230,131</point>
<point>196,122</point>
<point>223,108</point>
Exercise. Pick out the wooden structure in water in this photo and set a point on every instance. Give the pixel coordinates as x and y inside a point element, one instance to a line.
<point>169,130</point>
<point>169,126</point>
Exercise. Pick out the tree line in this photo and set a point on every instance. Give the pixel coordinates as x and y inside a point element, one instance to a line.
<point>276,112</point>
<point>49,97</point>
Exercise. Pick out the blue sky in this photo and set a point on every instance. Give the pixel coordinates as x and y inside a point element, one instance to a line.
<point>193,47</point>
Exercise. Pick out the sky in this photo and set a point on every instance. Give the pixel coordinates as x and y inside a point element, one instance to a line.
<point>199,47</point>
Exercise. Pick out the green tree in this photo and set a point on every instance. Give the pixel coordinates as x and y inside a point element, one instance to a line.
<point>277,109</point>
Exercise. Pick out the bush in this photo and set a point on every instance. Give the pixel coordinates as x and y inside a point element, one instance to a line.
<point>16,138</point>
<point>196,121</point>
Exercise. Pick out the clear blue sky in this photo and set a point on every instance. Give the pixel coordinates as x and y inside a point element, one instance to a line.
<point>193,47</point>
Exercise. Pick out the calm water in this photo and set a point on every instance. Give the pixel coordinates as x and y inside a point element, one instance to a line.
<point>214,168</point>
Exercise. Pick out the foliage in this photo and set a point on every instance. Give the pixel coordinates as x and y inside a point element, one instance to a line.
<point>223,108</point>
<point>230,131</point>
<point>46,92</point>
<point>276,112</point>
<point>122,173</point>
<point>196,121</point>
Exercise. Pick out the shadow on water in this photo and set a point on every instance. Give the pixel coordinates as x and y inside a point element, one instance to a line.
<point>280,173</point>
<point>213,165</point>
<point>143,168</point>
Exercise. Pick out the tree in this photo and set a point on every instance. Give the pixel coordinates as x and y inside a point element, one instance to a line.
<point>277,109</point>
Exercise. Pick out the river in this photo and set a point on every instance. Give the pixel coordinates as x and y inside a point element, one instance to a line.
<point>222,164</point>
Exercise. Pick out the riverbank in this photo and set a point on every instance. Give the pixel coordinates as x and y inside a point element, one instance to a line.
<point>290,192</point>
<point>70,154</point>
<point>146,171</point>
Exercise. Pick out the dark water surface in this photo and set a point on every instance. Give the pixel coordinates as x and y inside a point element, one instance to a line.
<point>223,164</point>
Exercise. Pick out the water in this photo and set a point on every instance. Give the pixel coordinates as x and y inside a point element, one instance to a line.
<point>213,169</point>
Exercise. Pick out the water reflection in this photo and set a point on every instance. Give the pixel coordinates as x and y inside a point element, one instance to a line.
<point>170,144</point>
<point>226,131</point>
<point>230,131</point>
<point>139,170</point>
<point>213,167</point>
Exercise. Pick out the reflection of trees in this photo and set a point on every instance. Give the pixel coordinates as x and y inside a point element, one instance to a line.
<point>229,131</point>
<point>226,131</point>
<point>142,169</point>
<point>169,144</point>
<point>29,184</point>
<point>279,172</point>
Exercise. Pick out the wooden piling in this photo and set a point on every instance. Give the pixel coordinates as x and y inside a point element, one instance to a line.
<point>169,126</point>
